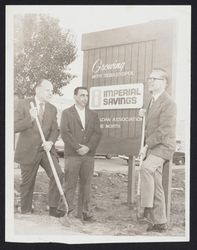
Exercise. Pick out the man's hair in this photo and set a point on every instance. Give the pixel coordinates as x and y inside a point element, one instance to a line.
<point>39,82</point>
<point>76,90</point>
<point>163,72</point>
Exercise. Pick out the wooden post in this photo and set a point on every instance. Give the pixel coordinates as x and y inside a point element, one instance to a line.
<point>131,181</point>
<point>167,183</point>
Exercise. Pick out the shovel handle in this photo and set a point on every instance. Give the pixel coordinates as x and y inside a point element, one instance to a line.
<point>140,157</point>
<point>51,162</point>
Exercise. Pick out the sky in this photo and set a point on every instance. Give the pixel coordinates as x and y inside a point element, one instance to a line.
<point>86,19</point>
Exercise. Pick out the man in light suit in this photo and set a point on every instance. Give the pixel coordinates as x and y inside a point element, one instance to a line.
<point>160,143</point>
<point>80,131</point>
<point>31,152</point>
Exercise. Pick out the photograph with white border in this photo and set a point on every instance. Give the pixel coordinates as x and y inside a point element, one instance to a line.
<point>114,54</point>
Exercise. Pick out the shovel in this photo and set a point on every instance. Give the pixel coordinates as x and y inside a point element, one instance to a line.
<point>140,164</point>
<point>62,196</point>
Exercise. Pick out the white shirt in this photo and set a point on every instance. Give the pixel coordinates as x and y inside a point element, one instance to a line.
<point>81,115</point>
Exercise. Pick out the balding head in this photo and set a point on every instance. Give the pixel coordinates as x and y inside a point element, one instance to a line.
<point>44,90</point>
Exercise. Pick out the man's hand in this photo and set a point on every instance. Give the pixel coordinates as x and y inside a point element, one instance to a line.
<point>142,112</point>
<point>83,150</point>
<point>143,152</point>
<point>33,112</point>
<point>47,145</point>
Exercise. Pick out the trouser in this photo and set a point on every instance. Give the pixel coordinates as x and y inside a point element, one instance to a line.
<point>28,175</point>
<point>152,193</point>
<point>82,168</point>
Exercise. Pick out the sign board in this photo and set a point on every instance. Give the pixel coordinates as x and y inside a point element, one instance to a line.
<point>127,96</point>
<point>118,61</point>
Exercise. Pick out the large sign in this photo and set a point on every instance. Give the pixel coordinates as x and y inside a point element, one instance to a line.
<point>116,65</point>
<point>124,96</point>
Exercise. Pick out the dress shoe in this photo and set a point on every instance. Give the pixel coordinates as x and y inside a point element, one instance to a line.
<point>88,217</point>
<point>160,228</point>
<point>60,213</point>
<point>70,211</point>
<point>28,212</point>
<point>53,211</point>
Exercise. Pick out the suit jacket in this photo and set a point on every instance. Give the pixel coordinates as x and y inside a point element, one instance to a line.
<point>160,129</point>
<point>29,141</point>
<point>73,133</point>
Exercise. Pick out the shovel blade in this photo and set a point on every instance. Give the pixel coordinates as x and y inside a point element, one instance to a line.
<point>70,221</point>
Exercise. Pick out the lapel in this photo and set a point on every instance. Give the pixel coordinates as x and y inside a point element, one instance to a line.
<point>155,106</point>
<point>148,106</point>
<point>29,106</point>
<point>32,100</point>
<point>87,117</point>
<point>76,115</point>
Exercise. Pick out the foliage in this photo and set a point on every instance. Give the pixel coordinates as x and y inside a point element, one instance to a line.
<point>41,50</point>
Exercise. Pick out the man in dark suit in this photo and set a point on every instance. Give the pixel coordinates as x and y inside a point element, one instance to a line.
<point>80,131</point>
<point>160,143</point>
<point>31,152</point>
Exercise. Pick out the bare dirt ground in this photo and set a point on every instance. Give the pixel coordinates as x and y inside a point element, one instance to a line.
<point>109,203</point>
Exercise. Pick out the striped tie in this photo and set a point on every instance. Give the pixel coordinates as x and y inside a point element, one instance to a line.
<point>152,102</point>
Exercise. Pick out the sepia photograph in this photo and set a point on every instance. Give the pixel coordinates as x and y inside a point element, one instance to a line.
<point>98,123</point>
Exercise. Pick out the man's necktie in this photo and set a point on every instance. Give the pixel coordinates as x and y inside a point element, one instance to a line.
<point>152,102</point>
<point>41,112</point>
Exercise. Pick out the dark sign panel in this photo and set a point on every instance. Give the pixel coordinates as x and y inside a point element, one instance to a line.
<point>116,65</point>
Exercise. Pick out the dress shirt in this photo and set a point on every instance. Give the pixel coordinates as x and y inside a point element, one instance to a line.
<point>81,115</point>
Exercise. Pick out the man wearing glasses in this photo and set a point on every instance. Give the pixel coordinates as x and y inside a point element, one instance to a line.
<point>160,142</point>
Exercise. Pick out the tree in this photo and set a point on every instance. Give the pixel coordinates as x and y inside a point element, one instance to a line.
<point>41,50</point>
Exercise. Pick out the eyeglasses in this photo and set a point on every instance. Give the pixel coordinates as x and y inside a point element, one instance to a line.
<point>154,78</point>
